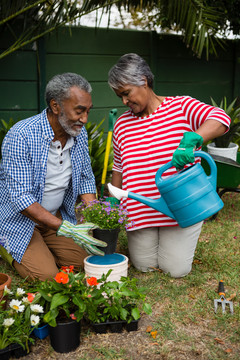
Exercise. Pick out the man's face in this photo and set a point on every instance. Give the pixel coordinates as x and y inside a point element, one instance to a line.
<point>74,111</point>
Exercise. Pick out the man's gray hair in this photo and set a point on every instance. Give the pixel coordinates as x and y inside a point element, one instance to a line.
<point>58,87</point>
<point>131,69</point>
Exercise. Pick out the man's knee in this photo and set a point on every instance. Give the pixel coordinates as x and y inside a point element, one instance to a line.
<point>42,273</point>
<point>47,275</point>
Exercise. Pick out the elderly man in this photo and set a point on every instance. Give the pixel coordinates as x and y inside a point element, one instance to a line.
<point>45,167</point>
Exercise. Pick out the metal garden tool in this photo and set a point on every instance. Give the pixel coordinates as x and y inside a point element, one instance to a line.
<point>222,299</point>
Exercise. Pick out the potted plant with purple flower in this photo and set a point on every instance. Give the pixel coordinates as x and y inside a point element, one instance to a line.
<point>109,219</point>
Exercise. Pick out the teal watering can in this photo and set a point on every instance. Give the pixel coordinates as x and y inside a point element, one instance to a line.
<point>188,197</point>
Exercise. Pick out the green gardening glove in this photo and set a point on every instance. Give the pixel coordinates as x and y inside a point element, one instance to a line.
<point>79,233</point>
<point>185,151</point>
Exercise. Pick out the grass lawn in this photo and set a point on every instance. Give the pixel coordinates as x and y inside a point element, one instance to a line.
<point>183,324</point>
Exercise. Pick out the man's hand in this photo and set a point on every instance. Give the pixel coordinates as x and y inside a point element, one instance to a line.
<point>185,151</point>
<point>79,233</point>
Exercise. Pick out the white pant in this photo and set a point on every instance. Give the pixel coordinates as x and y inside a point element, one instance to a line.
<point>169,248</point>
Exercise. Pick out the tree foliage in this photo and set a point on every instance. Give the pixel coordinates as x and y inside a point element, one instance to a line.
<point>200,21</point>
<point>28,20</point>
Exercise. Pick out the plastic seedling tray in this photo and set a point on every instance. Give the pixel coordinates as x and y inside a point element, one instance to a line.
<point>115,326</point>
<point>12,351</point>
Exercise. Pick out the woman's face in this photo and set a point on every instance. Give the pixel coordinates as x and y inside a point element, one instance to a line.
<point>135,97</point>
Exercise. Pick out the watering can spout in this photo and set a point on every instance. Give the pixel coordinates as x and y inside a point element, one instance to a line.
<point>157,204</point>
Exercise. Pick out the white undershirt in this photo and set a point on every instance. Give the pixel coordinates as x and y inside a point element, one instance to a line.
<point>59,171</point>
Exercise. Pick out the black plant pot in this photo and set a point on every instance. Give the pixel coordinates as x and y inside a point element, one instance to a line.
<point>65,337</point>
<point>110,236</point>
<point>12,351</point>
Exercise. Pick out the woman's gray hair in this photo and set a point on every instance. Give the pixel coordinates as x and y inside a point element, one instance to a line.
<point>130,69</point>
<point>58,87</point>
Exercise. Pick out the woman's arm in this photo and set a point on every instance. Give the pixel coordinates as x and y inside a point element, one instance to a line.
<point>117,179</point>
<point>211,129</point>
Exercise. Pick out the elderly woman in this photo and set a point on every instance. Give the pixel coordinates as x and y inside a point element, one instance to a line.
<point>145,137</point>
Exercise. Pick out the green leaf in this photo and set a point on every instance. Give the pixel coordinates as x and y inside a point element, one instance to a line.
<point>58,299</point>
<point>50,317</point>
<point>27,313</point>
<point>147,308</point>
<point>77,300</point>
<point>123,314</point>
<point>233,132</point>
<point>135,313</point>
<point>45,295</point>
<point>128,292</point>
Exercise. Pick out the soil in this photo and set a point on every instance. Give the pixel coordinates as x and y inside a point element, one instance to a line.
<point>132,345</point>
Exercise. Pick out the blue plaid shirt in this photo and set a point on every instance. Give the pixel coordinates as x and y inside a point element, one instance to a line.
<point>22,179</point>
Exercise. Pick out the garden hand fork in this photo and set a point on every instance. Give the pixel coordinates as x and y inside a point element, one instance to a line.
<point>222,299</point>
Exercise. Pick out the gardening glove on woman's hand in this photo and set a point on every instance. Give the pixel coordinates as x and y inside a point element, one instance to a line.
<point>79,233</point>
<point>185,151</point>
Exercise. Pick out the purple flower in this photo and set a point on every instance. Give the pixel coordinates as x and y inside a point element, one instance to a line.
<point>108,211</point>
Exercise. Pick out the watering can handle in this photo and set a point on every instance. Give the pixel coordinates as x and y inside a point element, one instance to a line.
<point>213,167</point>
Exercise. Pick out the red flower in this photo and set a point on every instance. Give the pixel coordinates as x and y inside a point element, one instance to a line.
<point>92,281</point>
<point>62,277</point>
<point>30,297</point>
<point>72,316</point>
<point>67,269</point>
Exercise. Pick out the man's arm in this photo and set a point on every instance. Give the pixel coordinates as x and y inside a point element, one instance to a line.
<point>41,216</point>
<point>87,197</point>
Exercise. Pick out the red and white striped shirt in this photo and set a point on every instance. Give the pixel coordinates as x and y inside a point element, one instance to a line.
<point>143,145</point>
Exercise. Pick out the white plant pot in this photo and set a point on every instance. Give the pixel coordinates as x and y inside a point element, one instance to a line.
<point>230,152</point>
<point>98,265</point>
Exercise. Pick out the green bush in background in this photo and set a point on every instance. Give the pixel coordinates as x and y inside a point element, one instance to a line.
<point>233,135</point>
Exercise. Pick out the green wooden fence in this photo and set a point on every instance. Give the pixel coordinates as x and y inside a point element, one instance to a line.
<point>91,52</point>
